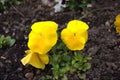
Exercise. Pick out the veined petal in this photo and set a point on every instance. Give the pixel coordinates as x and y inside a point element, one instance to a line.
<point>43,36</point>
<point>75,35</point>
<point>33,59</point>
<point>72,40</point>
<point>36,61</point>
<point>77,25</point>
<point>83,34</point>
<point>38,43</point>
<point>26,59</point>
<point>44,26</point>
<point>44,58</point>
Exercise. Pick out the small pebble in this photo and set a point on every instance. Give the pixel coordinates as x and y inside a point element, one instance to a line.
<point>8,61</point>
<point>2,57</point>
<point>111,20</point>
<point>116,4</point>
<point>19,69</point>
<point>25,37</point>
<point>13,34</point>
<point>93,50</point>
<point>5,12</point>
<point>45,2</point>
<point>107,23</point>
<point>89,5</point>
<point>109,30</point>
<point>29,75</point>
<point>7,30</point>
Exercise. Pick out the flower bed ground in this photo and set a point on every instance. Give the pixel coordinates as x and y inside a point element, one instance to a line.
<point>103,43</point>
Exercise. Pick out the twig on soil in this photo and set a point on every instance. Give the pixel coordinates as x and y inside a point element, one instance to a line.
<point>100,9</point>
<point>17,10</point>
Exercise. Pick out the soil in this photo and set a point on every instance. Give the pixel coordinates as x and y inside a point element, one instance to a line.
<point>103,43</point>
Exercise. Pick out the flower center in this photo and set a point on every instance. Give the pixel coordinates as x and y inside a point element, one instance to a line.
<point>40,34</point>
<point>74,34</point>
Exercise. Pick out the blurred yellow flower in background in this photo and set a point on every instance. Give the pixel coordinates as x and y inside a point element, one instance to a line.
<point>43,36</point>
<point>35,59</point>
<point>117,23</point>
<point>75,35</point>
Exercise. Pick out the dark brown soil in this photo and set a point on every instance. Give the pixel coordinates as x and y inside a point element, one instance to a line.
<point>103,43</point>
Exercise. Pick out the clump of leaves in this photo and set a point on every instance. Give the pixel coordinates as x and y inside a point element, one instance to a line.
<point>6,41</point>
<point>77,4</point>
<point>63,63</point>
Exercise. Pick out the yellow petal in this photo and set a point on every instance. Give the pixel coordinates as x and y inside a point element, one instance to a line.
<point>117,23</point>
<point>43,36</point>
<point>28,51</point>
<point>118,29</point>
<point>76,25</point>
<point>75,35</point>
<point>26,59</point>
<point>83,34</point>
<point>44,26</point>
<point>38,43</point>
<point>73,41</point>
<point>34,60</point>
<point>44,58</point>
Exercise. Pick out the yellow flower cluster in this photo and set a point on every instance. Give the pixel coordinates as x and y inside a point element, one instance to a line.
<point>44,36</point>
<point>75,35</point>
<point>41,39</point>
<point>117,23</point>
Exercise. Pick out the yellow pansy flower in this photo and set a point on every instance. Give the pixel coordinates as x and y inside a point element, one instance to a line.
<point>35,59</point>
<point>43,36</point>
<point>117,23</point>
<point>75,35</point>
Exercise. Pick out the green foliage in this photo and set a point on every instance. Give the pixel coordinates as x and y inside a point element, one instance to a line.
<point>4,4</point>
<point>47,77</point>
<point>66,62</point>
<point>77,4</point>
<point>6,41</point>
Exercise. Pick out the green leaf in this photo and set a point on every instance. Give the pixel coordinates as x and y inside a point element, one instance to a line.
<point>56,71</point>
<point>72,70</point>
<point>76,65</point>
<point>64,78</point>
<point>88,57</point>
<point>73,62</point>
<point>63,70</point>
<point>0,46</point>
<point>82,75</point>
<point>11,42</point>
<point>86,66</point>
<point>78,57</point>
<point>2,37</point>
<point>54,59</point>
<point>66,57</point>
<point>6,41</point>
<point>46,77</point>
